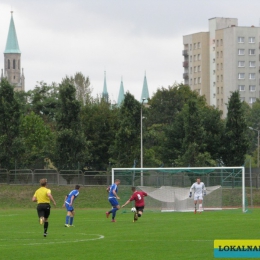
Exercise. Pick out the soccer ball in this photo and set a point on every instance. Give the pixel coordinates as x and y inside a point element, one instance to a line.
<point>133,209</point>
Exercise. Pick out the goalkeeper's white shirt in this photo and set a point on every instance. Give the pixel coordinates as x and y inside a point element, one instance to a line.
<point>198,188</point>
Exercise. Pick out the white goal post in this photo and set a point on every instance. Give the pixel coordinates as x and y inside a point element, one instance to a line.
<point>162,184</point>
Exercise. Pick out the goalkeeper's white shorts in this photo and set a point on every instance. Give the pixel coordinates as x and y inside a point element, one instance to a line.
<point>198,197</point>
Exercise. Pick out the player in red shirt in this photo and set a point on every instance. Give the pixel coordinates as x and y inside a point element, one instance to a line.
<point>138,197</point>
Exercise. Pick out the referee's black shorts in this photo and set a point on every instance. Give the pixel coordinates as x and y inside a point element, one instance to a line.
<point>44,210</point>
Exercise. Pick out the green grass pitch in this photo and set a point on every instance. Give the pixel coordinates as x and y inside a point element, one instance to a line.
<point>154,236</point>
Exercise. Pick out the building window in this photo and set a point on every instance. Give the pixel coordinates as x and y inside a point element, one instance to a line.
<point>199,80</point>
<point>251,75</point>
<point>213,60</point>
<point>241,64</point>
<point>251,51</point>
<point>217,54</point>
<point>221,90</point>
<point>195,81</point>
<point>199,68</point>
<point>252,88</point>
<point>198,45</point>
<point>221,78</point>
<point>190,47</point>
<point>217,78</point>
<point>221,66</point>
<point>251,64</point>
<point>241,39</point>
<point>8,64</point>
<point>213,48</point>
<point>241,51</point>
<point>194,58</point>
<point>221,54</point>
<point>221,101</point>
<point>241,75</point>
<point>251,39</point>
<point>214,84</point>
<point>18,64</point>
<point>14,64</point>
<point>214,72</point>
<point>217,66</point>
<point>191,81</point>
<point>217,43</point>
<point>190,58</point>
<point>221,42</point>
<point>217,90</point>
<point>195,46</point>
<point>241,87</point>
<point>252,100</point>
<point>199,57</point>
<point>190,70</point>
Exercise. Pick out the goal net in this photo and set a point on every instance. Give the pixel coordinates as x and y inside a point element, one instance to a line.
<point>168,188</point>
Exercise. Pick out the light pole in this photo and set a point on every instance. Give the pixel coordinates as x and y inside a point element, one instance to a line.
<point>251,128</point>
<point>141,159</point>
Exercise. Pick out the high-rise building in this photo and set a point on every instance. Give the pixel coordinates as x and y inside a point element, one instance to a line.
<point>223,60</point>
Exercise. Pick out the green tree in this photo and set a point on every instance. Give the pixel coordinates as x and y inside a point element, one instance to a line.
<point>99,122</point>
<point>43,101</point>
<point>82,86</point>
<point>10,143</point>
<point>235,141</point>
<point>126,147</point>
<point>38,141</point>
<point>71,145</point>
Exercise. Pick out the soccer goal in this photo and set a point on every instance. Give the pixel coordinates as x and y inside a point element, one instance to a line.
<point>168,188</point>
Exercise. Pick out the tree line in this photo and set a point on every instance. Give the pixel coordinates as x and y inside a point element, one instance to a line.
<point>63,124</point>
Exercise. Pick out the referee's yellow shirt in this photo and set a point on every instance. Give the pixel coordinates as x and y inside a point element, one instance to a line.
<point>41,195</point>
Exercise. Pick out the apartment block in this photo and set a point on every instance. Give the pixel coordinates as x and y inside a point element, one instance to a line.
<point>223,60</point>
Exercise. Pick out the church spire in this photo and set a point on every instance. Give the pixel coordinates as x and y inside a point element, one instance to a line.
<point>145,91</point>
<point>121,95</point>
<point>105,93</point>
<point>12,59</point>
<point>12,45</point>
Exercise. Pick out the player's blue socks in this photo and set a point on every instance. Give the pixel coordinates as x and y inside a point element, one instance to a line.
<point>114,212</point>
<point>67,219</point>
<point>71,220</point>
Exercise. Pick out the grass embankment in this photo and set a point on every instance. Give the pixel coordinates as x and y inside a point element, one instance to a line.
<point>16,196</point>
<point>20,196</point>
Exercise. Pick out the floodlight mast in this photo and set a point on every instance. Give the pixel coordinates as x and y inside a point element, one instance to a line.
<point>141,155</point>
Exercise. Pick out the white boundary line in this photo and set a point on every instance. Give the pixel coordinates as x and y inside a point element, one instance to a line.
<point>43,241</point>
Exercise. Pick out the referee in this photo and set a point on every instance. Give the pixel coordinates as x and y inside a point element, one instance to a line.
<point>43,197</point>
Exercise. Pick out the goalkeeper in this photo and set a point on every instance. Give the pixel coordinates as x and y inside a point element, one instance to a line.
<point>199,191</point>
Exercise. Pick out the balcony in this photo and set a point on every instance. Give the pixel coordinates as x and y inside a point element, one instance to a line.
<point>185,53</point>
<point>185,75</point>
<point>185,64</point>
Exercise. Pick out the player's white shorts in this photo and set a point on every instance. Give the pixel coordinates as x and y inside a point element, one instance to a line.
<point>198,197</point>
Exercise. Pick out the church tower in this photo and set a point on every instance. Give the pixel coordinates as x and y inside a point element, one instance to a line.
<point>145,91</point>
<point>12,59</point>
<point>105,93</point>
<point>121,95</point>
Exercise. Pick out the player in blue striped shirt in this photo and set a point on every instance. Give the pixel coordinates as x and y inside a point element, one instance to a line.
<point>68,203</point>
<point>112,198</point>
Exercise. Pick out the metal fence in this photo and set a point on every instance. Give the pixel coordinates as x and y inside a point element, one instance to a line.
<point>95,178</point>
<point>62,177</point>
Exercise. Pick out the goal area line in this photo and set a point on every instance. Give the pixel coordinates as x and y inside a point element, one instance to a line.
<point>191,210</point>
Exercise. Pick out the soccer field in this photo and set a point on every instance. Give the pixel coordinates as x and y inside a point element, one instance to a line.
<point>154,236</point>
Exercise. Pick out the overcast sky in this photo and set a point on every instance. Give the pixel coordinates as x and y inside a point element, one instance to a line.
<point>125,38</point>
